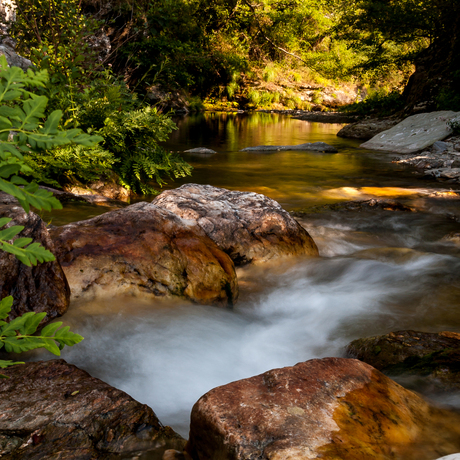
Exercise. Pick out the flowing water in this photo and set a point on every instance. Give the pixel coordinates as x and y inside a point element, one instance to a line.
<point>380,271</point>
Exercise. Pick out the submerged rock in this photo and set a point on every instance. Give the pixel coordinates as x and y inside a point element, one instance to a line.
<point>314,146</point>
<point>433,356</point>
<point>413,134</point>
<point>143,249</point>
<point>201,150</point>
<point>248,226</point>
<point>374,204</point>
<point>41,288</point>
<point>327,408</point>
<point>55,410</point>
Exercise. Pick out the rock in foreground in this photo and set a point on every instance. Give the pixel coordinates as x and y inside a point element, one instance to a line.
<point>248,226</point>
<point>42,288</point>
<point>433,356</point>
<point>54,410</point>
<point>328,408</point>
<point>143,249</point>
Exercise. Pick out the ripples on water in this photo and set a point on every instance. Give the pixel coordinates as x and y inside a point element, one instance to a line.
<point>379,272</point>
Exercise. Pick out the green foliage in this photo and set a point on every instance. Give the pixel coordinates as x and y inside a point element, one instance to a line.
<point>379,103</point>
<point>454,124</point>
<point>25,129</point>
<point>54,35</point>
<point>62,164</point>
<point>449,97</point>
<point>134,139</point>
<point>23,249</point>
<point>390,34</point>
<point>131,136</point>
<point>17,335</point>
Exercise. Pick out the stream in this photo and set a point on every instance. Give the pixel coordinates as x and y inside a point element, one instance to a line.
<point>380,271</point>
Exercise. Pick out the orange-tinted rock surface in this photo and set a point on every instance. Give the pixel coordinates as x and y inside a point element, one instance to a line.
<point>331,408</point>
<point>143,249</point>
<point>248,226</point>
<point>435,357</point>
<point>53,410</point>
<point>41,288</point>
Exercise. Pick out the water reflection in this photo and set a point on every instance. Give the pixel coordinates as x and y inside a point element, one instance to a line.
<point>295,179</point>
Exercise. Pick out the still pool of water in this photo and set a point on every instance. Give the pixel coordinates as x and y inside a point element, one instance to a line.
<point>379,271</point>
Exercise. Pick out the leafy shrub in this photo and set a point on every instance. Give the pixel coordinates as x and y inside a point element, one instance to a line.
<point>54,35</point>
<point>254,97</point>
<point>131,134</point>
<point>269,74</point>
<point>24,129</point>
<point>449,98</point>
<point>377,103</point>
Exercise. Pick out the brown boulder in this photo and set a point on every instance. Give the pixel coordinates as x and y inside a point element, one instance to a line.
<point>368,128</point>
<point>143,249</point>
<point>433,356</point>
<point>331,408</point>
<point>55,410</point>
<point>248,226</point>
<point>41,288</point>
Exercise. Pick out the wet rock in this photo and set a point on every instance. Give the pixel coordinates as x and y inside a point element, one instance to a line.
<point>441,161</point>
<point>433,356</point>
<point>97,191</point>
<point>69,197</point>
<point>327,408</point>
<point>368,128</point>
<point>55,410</point>
<point>452,237</point>
<point>201,150</point>
<point>440,146</point>
<point>373,204</point>
<point>249,227</point>
<point>41,288</point>
<point>142,249</point>
<point>444,173</point>
<point>413,134</point>
<point>314,147</point>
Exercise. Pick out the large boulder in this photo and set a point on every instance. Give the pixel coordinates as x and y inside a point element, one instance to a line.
<point>143,249</point>
<point>248,226</point>
<point>414,133</point>
<point>331,408</point>
<point>433,356</point>
<point>54,410</point>
<point>42,288</point>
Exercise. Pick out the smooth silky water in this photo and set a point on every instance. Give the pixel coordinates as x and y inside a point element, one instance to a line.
<point>379,271</point>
